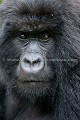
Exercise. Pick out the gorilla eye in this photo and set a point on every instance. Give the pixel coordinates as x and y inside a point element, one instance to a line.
<point>22,35</point>
<point>44,37</point>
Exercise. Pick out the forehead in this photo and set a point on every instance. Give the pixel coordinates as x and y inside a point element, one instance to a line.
<point>32,13</point>
<point>27,22</point>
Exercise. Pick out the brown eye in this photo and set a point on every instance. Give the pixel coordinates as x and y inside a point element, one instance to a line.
<point>44,37</point>
<point>22,35</point>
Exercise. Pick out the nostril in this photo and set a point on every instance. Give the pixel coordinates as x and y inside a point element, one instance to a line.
<point>36,61</point>
<point>27,61</point>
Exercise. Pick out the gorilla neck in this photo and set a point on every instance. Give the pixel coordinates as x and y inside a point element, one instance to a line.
<point>39,109</point>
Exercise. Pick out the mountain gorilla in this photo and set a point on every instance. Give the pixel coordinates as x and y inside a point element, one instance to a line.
<point>39,60</point>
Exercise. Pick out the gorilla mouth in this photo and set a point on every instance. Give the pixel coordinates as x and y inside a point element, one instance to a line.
<point>34,81</point>
<point>31,80</point>
<point>26,83</point>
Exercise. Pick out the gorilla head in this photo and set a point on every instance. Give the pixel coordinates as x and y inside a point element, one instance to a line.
<point>40,49</point>
<point>31,29</point>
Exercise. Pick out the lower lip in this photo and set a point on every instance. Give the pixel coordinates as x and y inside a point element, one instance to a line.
<point>33,82</point>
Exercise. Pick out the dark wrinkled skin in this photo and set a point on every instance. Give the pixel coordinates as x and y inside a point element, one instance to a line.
<point>40,76</point>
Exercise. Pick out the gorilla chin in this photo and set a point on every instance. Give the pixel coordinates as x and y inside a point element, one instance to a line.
<point>32,91</point>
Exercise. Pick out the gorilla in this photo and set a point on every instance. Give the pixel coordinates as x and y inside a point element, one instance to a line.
<point>40,60</point>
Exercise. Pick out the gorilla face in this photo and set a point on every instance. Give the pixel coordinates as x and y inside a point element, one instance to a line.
<point>34,45</point>
<point>28,60</point>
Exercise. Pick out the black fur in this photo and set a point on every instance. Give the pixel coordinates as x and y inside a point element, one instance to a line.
<point>61,100</point>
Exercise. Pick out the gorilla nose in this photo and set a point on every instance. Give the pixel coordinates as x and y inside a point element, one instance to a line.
<point>32,62</point>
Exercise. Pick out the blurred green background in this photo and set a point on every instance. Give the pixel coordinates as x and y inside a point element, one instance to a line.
<point>0,1</point>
